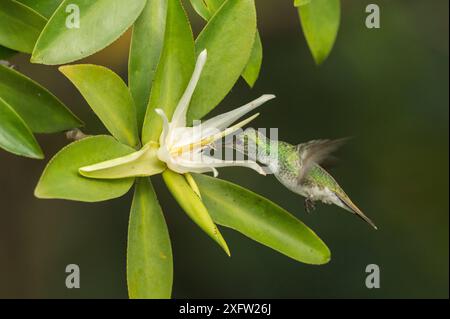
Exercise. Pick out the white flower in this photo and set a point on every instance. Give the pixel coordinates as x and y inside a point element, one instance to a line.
<point>182,148</point>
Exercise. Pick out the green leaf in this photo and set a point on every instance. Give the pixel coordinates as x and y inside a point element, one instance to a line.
<point>320,22</point>
<point>61,179</point>
<point>261,220</point>
<point>229,38</point>
<point>193,206</point>
<point>101,22</point>
<point>214,5</point>
<point>141,163</point>
<point>6,53</point>
<point>201,8</point>
<point>40,109</point>
<point>149,254</point>
<point>174,70</point>
<point>43,7</point>
<point>298,3</point>
<point>251,72</point>
<point>19,26</point>
<point>206,9</point>
<point>145,50</point>
<point>15,135</point>
<point>109,98</point>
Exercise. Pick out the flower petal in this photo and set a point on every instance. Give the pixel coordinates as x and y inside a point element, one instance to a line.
<point>224,120</point>
<point>208,163</point>
<point>165,131</point>
<point>140,163</point>
<point>197,137</point>
<point>179,116</point>
<point>230,130</point>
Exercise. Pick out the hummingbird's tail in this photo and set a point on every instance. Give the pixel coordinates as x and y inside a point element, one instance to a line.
<point>351,207</point>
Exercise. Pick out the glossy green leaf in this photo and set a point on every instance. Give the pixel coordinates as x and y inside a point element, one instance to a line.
<point>140,163</point>
<point>43,7</point>
<point>320,22</point>
<point>149,253</point>
<point>251,71</point>
<point>6,53</point>
<point>298,3</point>
<point>229,38</point>
<point>145,50</point>
<point>40,109</point>
<point>206,9</point>
<point>261,220</point>
<point>193,206</point>
<point>174,70</point>
<point>214,5</point>
<point>101,22</point>
<point>61,179</point>
<point>201,8</point>
<point>109,98</point>
<point>20,26</point>
<point>15,135</point>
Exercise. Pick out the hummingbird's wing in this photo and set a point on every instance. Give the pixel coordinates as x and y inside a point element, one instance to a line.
<point>315,152</point>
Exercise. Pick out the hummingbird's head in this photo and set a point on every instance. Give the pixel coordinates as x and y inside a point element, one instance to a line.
<point>250,142</point>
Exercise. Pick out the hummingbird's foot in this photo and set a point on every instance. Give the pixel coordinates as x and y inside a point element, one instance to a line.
<point>309,205</point>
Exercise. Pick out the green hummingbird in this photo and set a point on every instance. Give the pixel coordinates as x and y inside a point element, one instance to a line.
<point>298,168</point>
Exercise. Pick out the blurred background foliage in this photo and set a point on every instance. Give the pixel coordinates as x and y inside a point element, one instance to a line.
<point>388,88</point>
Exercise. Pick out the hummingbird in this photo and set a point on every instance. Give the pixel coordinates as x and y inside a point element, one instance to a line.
<point>298,168</point>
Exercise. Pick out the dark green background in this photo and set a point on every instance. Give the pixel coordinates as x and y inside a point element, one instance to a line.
<point>388,88</point>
